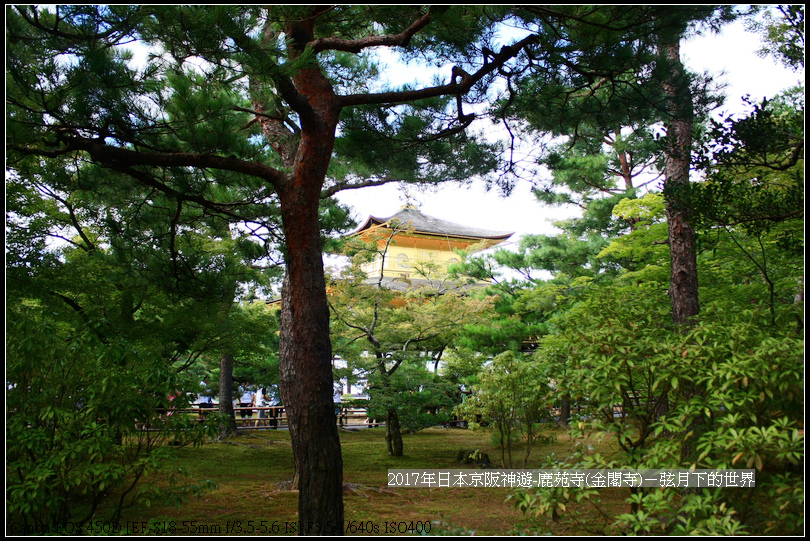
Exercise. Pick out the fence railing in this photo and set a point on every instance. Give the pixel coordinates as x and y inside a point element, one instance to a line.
<point>270,417</point>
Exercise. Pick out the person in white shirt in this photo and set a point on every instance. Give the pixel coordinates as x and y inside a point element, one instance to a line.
<point>259,402</point>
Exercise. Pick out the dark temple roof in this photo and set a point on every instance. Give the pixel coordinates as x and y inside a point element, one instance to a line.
<point>411,218</point>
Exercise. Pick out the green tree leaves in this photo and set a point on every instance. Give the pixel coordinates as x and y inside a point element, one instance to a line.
<point>76,409</point>
<point>723,395</point>
<point>513,395</point>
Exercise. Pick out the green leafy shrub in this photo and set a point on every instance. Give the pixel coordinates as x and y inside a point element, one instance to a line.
<point>725,393</point>
<point>87,420</point>
<point>420,398</point>
<point>512,396</point>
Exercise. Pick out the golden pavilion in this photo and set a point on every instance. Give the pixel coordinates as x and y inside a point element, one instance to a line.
<point>416,249</point>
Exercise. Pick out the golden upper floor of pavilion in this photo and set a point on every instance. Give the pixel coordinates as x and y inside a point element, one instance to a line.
<point>412,243</point>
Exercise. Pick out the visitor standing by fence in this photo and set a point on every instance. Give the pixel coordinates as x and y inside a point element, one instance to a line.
<point>246,400</point>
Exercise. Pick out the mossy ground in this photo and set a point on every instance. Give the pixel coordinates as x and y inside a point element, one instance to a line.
<point>252,472</point>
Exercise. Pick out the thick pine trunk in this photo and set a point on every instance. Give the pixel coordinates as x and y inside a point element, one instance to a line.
<point>305,347</point>
<point>227,425</point>
<point>683,289</point>
<point>306,382</point>
<point>227,416</point>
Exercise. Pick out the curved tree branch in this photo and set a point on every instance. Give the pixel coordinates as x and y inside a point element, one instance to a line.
<point>358,45</point>
<point>460,84</point>
<point>110,156</point>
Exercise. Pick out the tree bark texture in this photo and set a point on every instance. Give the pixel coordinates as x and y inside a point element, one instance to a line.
<point>683,288</point>
<point>393,433</point>
<point>228,416</point>
<point>305,347</point>
<point>228,422</point>
<point>306,379</point>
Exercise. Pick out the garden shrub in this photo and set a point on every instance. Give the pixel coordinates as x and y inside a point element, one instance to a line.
<point>513,397</point>
<point>421,399</point>
<point>725,393</point>
<point>87,420</point>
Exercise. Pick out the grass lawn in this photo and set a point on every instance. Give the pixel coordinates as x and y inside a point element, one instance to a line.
<point>253,470</point>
